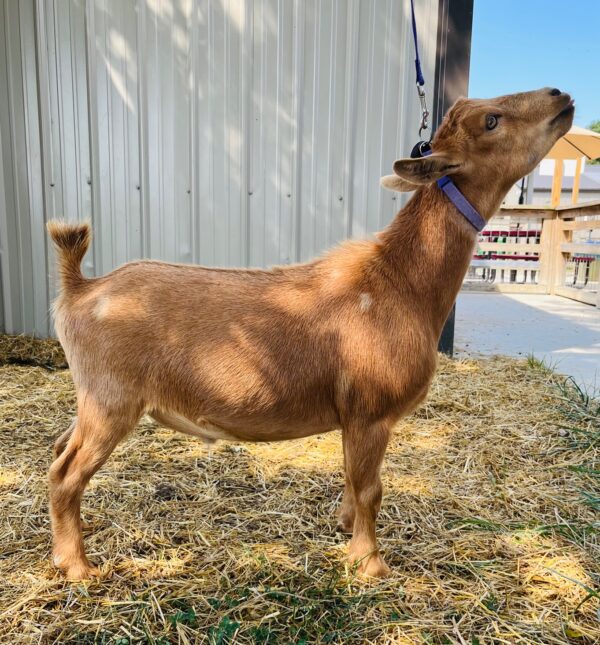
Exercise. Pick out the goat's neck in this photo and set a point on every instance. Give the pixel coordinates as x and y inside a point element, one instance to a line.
<point>426,252</point>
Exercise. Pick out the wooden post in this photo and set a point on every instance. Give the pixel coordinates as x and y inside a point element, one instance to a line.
<point>559,258</point>
<point>547,253</point>
<point>576,179</point>
<point>557,183</point>
<point>553,263</point>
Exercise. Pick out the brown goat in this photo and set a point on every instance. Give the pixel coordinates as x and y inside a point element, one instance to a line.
<point>347,341</point>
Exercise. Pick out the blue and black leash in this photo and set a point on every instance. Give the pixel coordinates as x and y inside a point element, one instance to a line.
<point>422,146</point>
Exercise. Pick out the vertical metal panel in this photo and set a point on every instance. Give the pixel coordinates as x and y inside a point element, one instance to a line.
<point>23,268</point>
<point>112,72</point>
<point>65,181</point>
<point>4,260</point>
<point>224,132</point>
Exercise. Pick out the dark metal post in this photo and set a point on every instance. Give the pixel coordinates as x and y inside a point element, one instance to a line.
<point>455,22</point>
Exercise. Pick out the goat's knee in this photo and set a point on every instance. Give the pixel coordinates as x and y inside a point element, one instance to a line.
<point>369,497</point>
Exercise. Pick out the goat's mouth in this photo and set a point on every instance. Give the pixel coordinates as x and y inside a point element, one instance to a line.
<point>567,111</point>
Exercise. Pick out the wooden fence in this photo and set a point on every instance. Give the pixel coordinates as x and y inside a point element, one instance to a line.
<point>545,247</point>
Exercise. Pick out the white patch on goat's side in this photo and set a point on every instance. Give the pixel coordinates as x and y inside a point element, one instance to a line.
<point>365,301</point>
<point>336,274</point>
<point>102,307</point>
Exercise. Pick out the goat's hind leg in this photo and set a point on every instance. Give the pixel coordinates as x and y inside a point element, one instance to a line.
<point>61,443</point>
<point>96,432</point>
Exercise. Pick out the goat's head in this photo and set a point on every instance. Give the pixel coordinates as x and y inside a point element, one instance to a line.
<point>493,142</point>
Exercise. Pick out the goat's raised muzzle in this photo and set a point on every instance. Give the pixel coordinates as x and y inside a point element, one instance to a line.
<point>567,109</point>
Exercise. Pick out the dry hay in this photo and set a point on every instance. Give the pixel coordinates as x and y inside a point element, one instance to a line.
<point>25,350</point>
<point>483,522</point>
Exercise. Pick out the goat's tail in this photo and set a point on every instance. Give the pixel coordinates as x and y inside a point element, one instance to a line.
<point>72,241</point>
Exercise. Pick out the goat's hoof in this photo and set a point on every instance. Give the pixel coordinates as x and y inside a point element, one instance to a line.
<point>374,567</point>
<point>370,566</point>
<point>77,570</point>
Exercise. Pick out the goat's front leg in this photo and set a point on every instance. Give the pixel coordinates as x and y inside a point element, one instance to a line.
<point>364,449</point>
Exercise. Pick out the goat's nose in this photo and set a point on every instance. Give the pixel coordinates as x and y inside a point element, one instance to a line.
<point>555,92</point>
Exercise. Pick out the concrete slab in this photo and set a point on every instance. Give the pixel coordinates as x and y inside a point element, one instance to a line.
<point>563,333</point>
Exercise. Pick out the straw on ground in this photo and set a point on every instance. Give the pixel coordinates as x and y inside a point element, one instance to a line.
<point>489,522</point>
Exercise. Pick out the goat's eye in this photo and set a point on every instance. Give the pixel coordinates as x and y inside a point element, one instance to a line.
<point>491,121</point>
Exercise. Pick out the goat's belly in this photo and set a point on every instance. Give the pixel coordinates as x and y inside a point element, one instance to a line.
<point>276,431</point>
<point>242,429</point>
<point>238,407</point>
<point>200,428</point>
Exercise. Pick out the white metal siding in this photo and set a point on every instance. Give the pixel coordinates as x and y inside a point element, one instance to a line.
<point>221,132</point>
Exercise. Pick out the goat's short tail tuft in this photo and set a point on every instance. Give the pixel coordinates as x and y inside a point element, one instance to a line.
<point>72,240</point>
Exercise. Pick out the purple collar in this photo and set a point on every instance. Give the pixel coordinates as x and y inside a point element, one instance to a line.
<point>462,203</point>
<point>465,207</point>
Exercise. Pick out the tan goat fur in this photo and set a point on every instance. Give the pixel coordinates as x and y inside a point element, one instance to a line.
<point>347,341</point>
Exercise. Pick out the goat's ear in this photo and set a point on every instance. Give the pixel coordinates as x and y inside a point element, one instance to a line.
<point>425,170</point>
<point>397,184</point>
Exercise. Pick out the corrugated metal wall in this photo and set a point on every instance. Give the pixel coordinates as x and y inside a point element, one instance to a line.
<point>221,132</point>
